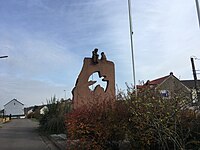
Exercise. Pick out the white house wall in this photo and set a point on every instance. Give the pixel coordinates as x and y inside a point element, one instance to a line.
<point>43,110</point>
<point>14,108</point>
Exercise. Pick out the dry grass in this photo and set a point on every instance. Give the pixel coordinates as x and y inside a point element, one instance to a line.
<point>4,120</point>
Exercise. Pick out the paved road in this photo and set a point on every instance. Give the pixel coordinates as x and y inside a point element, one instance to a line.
<point>21,134</point>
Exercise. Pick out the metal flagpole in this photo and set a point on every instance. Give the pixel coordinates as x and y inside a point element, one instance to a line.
<point>131,38</point>
<point>198,11</point>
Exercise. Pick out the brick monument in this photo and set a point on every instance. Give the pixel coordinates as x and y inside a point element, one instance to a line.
<point>82,94</point>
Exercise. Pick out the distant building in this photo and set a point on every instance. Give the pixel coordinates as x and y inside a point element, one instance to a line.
<point>43,110</point>
<point>1,113</point>
<point>14,108</point>
<point>30,111</point>
<point>191,85</point>
<point>168,86</point>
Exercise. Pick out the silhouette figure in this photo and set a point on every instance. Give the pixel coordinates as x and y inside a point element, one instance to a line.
<point>95,56</point>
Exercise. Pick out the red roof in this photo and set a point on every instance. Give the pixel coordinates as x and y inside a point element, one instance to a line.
<point>154,82</point>
<point>157,81</point>
<point>140,86</point>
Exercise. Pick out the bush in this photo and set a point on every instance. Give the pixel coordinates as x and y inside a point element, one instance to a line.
<point>53,121</point>
<point>146,122</point>
<point>96,126</point>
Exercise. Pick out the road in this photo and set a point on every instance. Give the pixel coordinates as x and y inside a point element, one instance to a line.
<point>21,134</point>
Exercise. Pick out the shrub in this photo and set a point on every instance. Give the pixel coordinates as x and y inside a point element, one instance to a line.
<point>53,121</point>
<point>96,126</point>
<point>146,122</point>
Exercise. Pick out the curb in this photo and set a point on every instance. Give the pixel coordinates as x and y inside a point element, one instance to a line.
<point>59,146</point>
<point>50,141</point>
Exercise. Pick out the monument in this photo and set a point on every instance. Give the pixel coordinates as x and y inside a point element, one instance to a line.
<point>82,94</point>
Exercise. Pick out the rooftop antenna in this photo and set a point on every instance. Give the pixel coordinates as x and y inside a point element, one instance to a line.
<point>198,11</point>
<point>132,52</point>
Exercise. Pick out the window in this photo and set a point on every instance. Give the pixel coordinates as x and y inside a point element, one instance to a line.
<point>164,93</point>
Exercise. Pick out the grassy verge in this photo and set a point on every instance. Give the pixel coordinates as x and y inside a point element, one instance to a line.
<point>34,120</point>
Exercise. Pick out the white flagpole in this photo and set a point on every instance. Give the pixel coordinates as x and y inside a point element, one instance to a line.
<point>198,11</point>
<point>131,38</point>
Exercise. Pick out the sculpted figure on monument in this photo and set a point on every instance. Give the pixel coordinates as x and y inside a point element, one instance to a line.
<point>103,56</point>
<point>95,56</point>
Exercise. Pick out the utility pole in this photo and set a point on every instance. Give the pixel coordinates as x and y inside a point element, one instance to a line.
<point>194,73</point>
<point>195,78</point>
<point>132,52</point>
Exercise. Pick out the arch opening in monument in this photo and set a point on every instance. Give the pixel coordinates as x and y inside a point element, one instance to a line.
<point>95,79</point>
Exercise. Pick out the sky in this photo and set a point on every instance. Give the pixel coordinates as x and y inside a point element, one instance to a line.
<point>47,40</point>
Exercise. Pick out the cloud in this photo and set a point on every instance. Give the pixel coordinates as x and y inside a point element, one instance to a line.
<point>46,41</point>
<point>30,92</point>
<point>166,37</point>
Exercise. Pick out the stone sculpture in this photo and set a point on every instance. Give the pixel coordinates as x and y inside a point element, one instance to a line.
<point>82,95</point>
<point>95,56</point>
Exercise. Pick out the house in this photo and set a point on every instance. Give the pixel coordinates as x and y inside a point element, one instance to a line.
<point>43,110</point>
<point>191,85</point>
<point>168,86</point>
<point>28,110</point>
<point>14,108</point>
<point>32,111</point>
<point>1,113</point>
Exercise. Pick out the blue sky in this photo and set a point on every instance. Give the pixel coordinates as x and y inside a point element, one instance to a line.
<point>46,41</point>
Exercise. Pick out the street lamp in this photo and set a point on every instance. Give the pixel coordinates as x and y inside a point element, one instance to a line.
<point>3,56</point>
